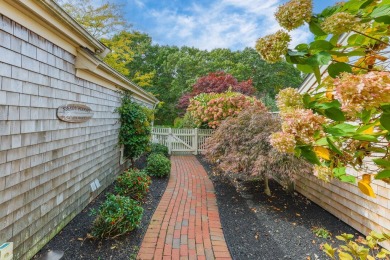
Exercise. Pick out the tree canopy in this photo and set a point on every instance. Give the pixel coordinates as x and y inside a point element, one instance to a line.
<point>99,20</point>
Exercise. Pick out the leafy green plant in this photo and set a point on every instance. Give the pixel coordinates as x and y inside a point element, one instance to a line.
<point>158,165</point>
<point>135,129</point>
<point>116,216</point>
<point>345,120</point>
<point>361,248</point>
<point>322,232</point>
<point>133,183</point>
<point>159,148</point>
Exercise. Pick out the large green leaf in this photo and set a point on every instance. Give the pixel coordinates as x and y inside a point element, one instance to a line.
<point>306,100</point>
<point>335,69</point>
<point>309,155</point>
<point>333,104</point>
<point>333,147</point>
<point>297,53</point>
<point>353,6</point>
<point>322,141</point>
<point>317,73</point>
<point>321,58</point>
<point>321,45</point>
<point>363,137</point>
<point>365,115</point>
<point>302,47</point>
<point>356,40</point>
<point>329,10</point>
<point>335,114</point>
<point>337,172</point>
<point>383,19</point>
<point>382,162</point>
<point>305,68</point>
<point>383,174</point>
<point>315,28</point>
<point>342,129</point>
<point>385,121</point>
<point>381,11</point>
<point>386,107</point>
<point>348,178</point>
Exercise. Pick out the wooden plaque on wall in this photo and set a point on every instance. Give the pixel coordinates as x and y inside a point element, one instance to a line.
<point>74,113</point>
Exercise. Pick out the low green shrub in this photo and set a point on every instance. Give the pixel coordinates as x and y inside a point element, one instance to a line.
<point>158,165</point>
<point>116,216</point>
<point>159,148</point>
<point>134,184</point>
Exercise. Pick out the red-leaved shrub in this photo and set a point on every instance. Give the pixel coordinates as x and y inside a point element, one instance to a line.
<point>210,109</point>
<point>241,147</point>
<point>216,82</point>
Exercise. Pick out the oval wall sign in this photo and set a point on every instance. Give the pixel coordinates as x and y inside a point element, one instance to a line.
<point>74,113</point>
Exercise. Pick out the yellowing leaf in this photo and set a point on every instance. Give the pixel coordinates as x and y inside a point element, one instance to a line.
<point>329,95</point>
<point>345,256</point>
<point>340,58</point>
<point>322,152</point>
<point>369,130</point>
<point>382,254</point>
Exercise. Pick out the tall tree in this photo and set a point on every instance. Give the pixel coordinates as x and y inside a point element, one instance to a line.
<point>100,20</point>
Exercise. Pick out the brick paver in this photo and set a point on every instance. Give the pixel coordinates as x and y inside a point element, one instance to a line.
<point>186,223</point>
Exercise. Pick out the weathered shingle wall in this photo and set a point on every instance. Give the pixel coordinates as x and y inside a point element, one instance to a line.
<point>47,165</point>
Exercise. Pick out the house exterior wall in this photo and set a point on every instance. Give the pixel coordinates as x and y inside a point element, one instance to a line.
<point>348,203</point>
<point>47,165</point>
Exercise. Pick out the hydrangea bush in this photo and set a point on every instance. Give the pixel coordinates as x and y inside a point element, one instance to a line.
<point>345,121</point>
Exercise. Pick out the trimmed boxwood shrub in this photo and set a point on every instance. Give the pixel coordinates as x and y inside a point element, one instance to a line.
<point>118,215</point>
<point>158,165</point>
<point>159,148</point>
<point>133,183</point>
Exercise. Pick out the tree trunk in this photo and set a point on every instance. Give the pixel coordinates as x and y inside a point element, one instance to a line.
<point>266,186</point>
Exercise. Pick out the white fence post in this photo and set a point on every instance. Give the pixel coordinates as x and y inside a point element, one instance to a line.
<point>169,140</point>
<point>195,140</point>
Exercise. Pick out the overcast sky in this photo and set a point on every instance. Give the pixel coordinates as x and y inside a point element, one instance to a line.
<point>209,24</point>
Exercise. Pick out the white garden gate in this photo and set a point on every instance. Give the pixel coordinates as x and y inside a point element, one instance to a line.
<point>181,140</point>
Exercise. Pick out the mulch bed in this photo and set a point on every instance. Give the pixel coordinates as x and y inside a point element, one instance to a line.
<point>280,226</point>
<point>73,241</point>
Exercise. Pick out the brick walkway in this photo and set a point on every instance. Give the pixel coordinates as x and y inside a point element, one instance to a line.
<point>186,223</point>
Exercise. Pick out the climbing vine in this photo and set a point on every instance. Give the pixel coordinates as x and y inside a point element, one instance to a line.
<point>135,127</point>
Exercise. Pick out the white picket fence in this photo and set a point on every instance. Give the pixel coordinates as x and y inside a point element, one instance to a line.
<point>181,140</point>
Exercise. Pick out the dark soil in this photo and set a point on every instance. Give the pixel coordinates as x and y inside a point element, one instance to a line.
<point>73,241</point>
<point>280,226</point>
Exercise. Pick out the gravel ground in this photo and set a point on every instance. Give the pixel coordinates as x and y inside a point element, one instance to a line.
<point>281,226</point>
<point>73,238</point>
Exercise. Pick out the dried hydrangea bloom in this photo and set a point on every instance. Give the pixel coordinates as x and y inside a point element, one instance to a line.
<point>339,23</point>
<point>364,91</point>
<point>294,13</point>
<point>283,142</point>
<point>303,124</point>
<point>322,172</point>
<point>289,98</point>
<point>272,47</point>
